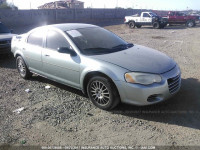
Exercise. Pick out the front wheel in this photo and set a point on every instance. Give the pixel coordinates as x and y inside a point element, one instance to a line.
<point>22,68</point>
<point>190,23</point>
<point>156,25</point>
<point>102,93</point>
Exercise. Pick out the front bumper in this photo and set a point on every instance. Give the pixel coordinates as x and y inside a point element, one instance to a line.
<point>126,23</point>
<point>197,21</point>
<point>5,47</point>
<point>141,95</point>
<point>5,50</point>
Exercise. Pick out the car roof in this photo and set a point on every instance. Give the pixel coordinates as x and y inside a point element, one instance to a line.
<point>147,12</point>
<point>70,26</point>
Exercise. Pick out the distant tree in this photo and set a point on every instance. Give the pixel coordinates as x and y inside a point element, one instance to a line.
<point>119,8</point>
<point>6,5</point>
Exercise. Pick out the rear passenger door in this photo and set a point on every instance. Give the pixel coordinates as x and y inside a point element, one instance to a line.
<point>180,17</point>
<point>33,50</point>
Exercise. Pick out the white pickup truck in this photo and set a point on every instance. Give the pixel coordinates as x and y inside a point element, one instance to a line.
<point>146,18</point>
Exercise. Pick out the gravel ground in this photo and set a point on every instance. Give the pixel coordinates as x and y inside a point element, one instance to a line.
<point>64,116</point>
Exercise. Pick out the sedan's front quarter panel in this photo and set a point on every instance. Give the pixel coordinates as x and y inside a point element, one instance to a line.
<point>88,65</point>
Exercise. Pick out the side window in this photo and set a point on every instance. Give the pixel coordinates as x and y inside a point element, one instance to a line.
<point>36,38</point>
<point>56,40</point>
<point>146,15</point>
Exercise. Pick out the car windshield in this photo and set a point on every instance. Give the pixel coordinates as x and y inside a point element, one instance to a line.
<point>95,41</point>
<point>153,14</point>
<point>3,29</point>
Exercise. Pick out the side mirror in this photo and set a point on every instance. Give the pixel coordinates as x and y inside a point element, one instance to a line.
<point>67,50</point>
<point>11,30</point>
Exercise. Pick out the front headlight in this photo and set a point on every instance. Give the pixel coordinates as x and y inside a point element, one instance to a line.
<point>142,78</point>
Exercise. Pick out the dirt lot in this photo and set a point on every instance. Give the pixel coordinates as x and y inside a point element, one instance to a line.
<point>64,116</point>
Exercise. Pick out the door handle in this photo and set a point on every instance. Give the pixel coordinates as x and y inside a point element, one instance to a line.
<point>46,55</point>
<point>23,49</point>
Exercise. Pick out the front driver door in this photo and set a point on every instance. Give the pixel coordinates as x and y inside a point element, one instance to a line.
<point>61,67</point>
<point>147,19</point>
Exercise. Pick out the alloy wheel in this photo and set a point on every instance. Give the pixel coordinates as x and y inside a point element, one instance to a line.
<point>100,93</point>
<point>21,67</point>
<point>190,24</point>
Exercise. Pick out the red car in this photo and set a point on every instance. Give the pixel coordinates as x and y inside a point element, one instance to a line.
<point>175,17</point>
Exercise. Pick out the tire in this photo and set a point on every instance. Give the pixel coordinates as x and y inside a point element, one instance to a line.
<point>190,23</point>
<point>156,25</point>
<point>22,68</point>
<point>106,99</point>
<point>162,26</point>
<point>139,26</point>
<point>131,24</point>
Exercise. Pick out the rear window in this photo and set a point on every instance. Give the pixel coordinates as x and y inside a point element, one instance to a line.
<point>36,38</point>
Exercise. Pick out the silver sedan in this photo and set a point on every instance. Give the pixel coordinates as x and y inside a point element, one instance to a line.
<point>101,64</point>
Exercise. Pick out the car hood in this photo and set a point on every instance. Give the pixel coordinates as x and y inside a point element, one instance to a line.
<point>6,36</point>
<point>139,59</point>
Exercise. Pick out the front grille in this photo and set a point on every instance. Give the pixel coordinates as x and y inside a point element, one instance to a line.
<point>5,49</point>
<point>174,84</point>
<point>5,42</point>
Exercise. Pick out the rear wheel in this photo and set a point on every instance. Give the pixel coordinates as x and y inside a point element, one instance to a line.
<point>190,23</point>
<point>22,68</point>
<point>103,93</point>
<point>131,24</point>
<point>156,25</point>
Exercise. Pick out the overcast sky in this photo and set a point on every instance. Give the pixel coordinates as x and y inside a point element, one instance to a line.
<point>145,4</point>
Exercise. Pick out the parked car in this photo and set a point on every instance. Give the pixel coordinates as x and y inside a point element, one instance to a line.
<point>5,39</point>
<point>175,17</point>
<point>99,63</point>
<point>146,18</point>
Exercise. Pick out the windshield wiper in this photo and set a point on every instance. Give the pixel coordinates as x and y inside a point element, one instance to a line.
<point>96,48</point>
<point>123,46</point>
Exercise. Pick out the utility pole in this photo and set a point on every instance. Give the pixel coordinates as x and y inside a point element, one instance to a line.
<point>117,4</point>
<point>12,5</point>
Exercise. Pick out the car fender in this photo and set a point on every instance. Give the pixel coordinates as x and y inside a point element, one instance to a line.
<point>19,52</point>
<point>102,70</point>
